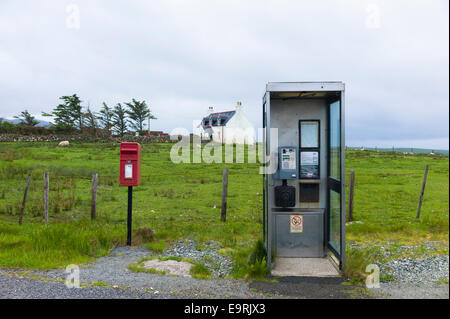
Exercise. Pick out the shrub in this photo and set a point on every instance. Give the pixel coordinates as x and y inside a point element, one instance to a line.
<point>357,261</point>
<point>258,253</point>
<point>143,235</point>
<point>200,271</point>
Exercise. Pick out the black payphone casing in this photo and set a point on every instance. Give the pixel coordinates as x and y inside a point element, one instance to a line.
<point>285,196</point>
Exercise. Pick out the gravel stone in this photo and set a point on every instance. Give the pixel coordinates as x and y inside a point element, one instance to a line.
<point>394,290</point>
<point>418,271</point>
<point>219,265</point>
<point>172,267</point>
<point>426,269</point>
<point>24,288</point>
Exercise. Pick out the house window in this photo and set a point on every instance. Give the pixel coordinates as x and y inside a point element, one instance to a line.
<point>206,122</point>
<point>214,122</point>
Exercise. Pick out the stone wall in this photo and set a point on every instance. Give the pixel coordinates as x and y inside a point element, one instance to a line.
<point>83,138</point>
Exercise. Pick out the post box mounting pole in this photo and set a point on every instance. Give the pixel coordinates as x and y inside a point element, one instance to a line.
<point>129,219</point>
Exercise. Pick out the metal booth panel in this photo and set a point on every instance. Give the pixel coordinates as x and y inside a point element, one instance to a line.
<point>308,243</point>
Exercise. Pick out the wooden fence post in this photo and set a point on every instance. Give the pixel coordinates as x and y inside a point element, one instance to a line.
<point>24,199</point>
<point>351,188</point>
<point>46,186</point>
<point>424,182</point>
<point>94,195</point>
<point>224,195</point>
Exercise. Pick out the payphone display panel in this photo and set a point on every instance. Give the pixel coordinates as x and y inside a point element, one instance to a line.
<point>309,165</point>
<point>309,146</point>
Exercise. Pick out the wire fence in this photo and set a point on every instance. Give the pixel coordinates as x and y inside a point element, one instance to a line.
<point>382,195</point>
<point>160,195</point>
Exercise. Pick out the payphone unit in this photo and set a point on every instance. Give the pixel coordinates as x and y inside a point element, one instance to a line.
<point>287,170</point>
<point>304,198</point>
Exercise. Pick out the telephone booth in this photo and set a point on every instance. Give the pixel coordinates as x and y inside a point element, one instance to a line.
<point>304,176</point>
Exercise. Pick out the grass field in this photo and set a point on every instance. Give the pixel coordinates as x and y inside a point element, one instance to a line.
<point>180,201</point>
<point>387,194</point>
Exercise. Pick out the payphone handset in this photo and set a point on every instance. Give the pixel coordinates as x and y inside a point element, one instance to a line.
<point>287,162</point>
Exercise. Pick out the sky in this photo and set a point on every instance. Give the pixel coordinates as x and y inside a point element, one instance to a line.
<point>183,56</point>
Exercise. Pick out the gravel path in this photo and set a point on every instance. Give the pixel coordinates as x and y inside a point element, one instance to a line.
<point>109,277</point>
<point>112,271</point>
<point>24,288</point>
<point>393,290</point>
<point>118,282</point>
<point>311,288</point>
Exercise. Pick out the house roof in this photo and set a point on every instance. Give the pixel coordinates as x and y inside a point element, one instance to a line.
<point>223,116</point>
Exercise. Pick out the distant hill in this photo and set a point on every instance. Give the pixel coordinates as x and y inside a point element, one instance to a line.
<point>404,149</point>
<point>17,121</point>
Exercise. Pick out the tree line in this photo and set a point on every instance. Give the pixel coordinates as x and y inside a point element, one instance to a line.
<point>71,116</point>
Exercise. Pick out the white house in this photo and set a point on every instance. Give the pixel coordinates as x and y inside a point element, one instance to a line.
<point>230,127</point>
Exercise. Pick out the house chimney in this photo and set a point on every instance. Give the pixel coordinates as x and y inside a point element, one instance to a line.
<point>238,106</point>
<point>210,110</point>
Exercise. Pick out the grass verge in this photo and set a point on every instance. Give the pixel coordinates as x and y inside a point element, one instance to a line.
<point>43,246</point>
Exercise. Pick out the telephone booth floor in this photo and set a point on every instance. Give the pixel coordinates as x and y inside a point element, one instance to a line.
<point>305,267</point>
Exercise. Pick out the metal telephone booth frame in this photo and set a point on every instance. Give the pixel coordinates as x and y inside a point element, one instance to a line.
<point>304,203</point>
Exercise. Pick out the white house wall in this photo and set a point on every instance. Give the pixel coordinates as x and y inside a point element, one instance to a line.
<point>239,130</point>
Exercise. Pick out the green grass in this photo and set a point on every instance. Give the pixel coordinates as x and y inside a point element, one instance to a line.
<point>177,201</point>
<point>137,268</point>
<point>180,201</point>
<point>357,261</point>
<point>99,284</point>
<point>442,280</point>
<point>200,271</point>
<point>38,246</point>
<point>387,195</point>
<point>157,246</point>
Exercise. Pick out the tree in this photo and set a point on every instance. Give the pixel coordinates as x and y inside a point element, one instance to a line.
<point>90,121</point>
<point>6,127</point>
<point>68,114</point>
<point>138,112</point>
<point>119,119</point>
<point>105,117</point>
<point>27,119</point>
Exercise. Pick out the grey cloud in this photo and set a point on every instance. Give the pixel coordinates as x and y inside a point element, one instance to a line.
<point>182,56</point>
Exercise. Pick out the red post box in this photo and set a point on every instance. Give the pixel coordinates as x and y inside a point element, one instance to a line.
<point>130,164</point>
